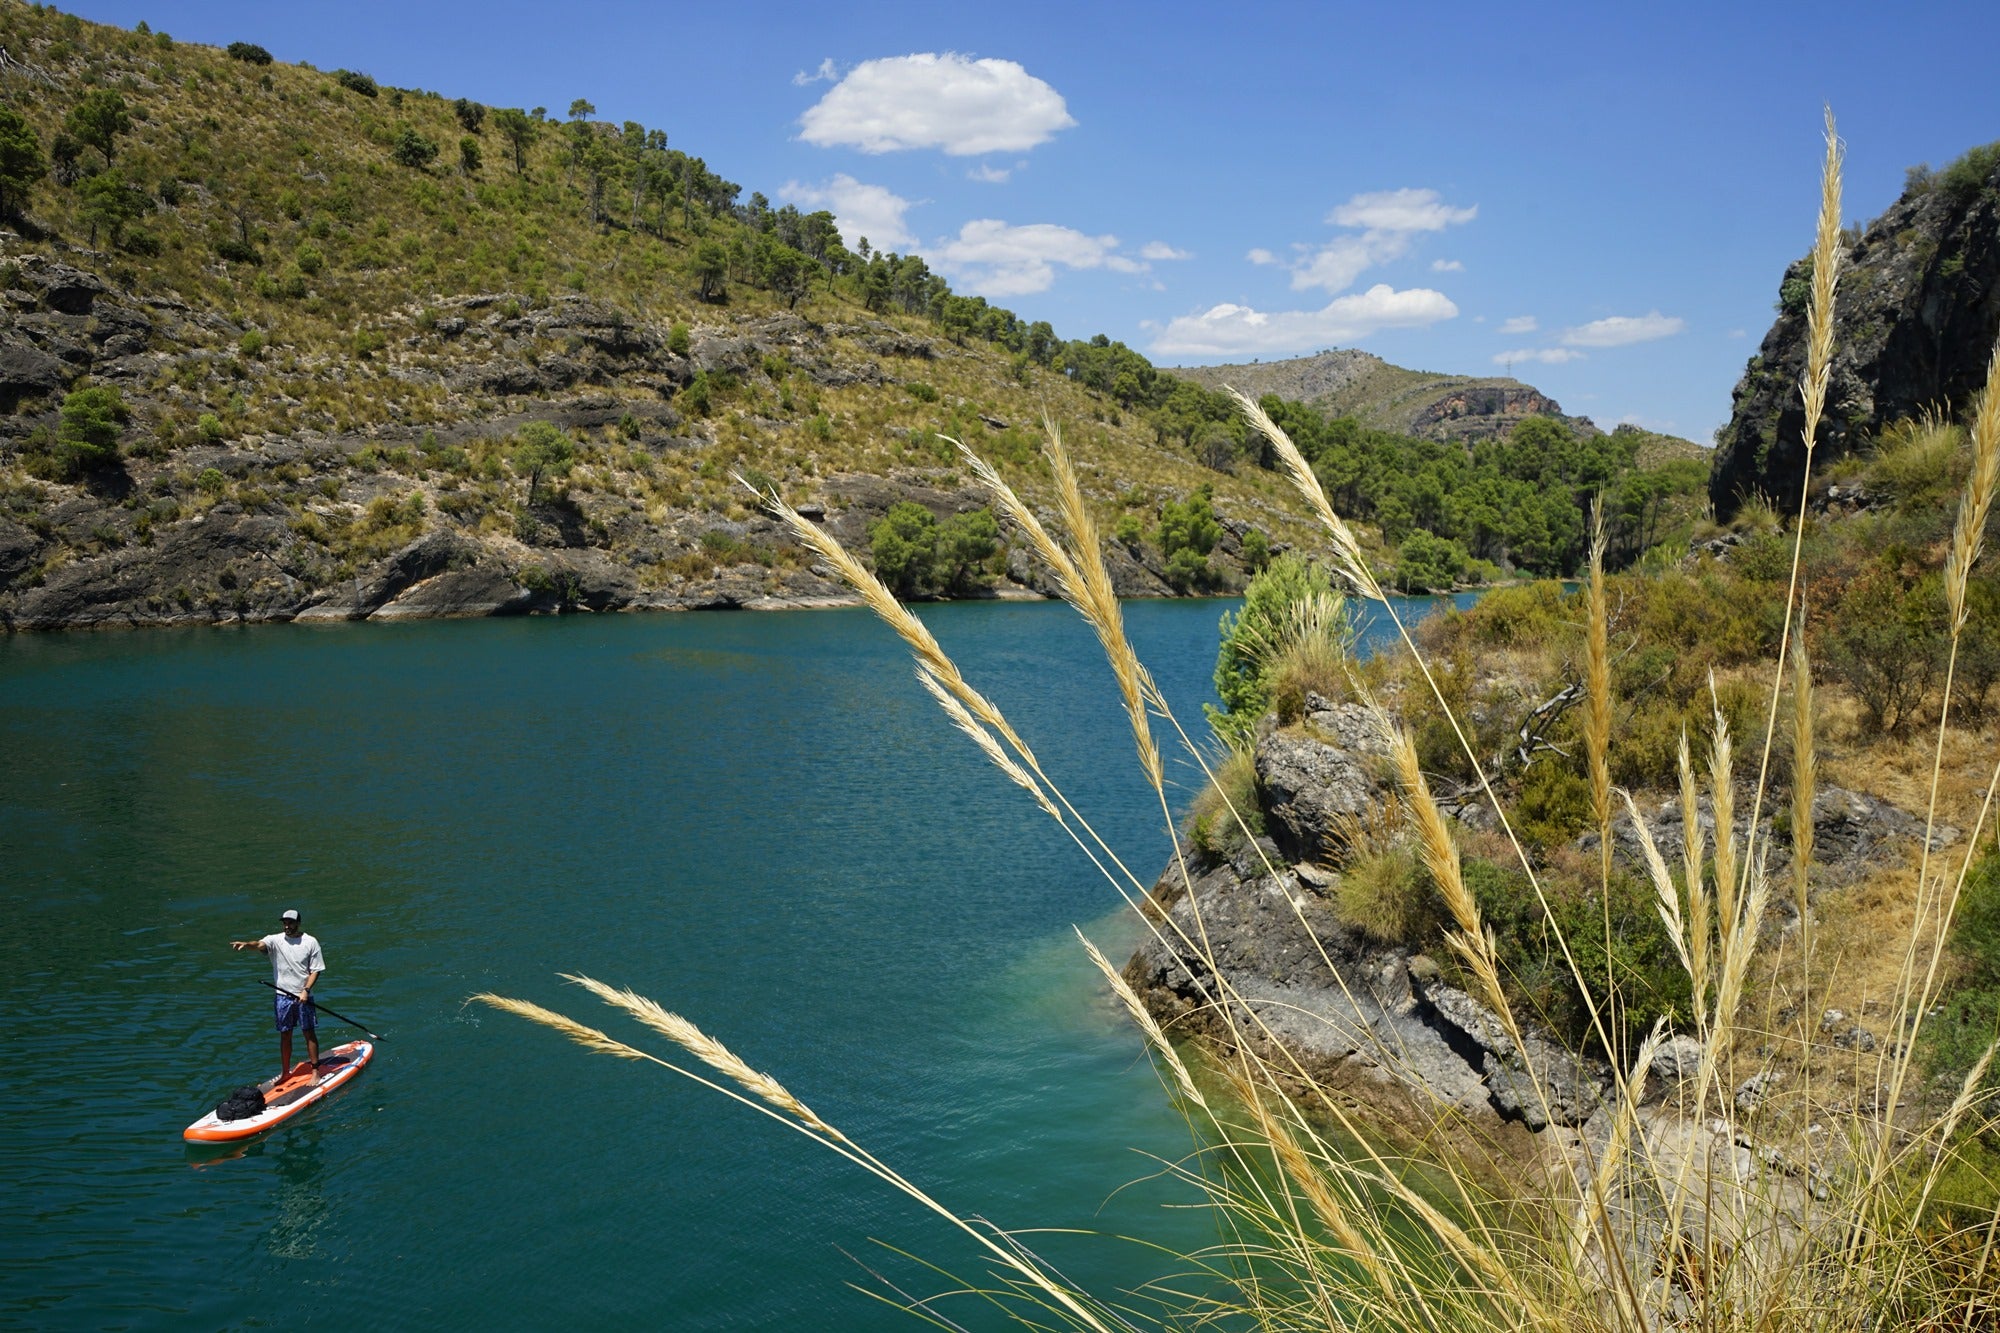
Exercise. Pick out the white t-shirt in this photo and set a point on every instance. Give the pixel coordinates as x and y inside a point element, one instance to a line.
<point>292,961</point>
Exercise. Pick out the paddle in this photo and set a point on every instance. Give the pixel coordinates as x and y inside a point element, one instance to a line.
<point>323,1009</point>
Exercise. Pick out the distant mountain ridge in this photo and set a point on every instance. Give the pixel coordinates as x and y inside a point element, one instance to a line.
<point>1425,404</point>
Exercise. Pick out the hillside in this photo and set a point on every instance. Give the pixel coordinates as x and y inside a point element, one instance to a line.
<point>1348,383</point>
<point>285,343</point>
<point>326,311</point>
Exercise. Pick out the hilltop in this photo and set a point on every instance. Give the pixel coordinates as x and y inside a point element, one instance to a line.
<point>1426,404</point>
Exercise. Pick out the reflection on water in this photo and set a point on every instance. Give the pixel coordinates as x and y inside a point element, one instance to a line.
<point>300,1205</point>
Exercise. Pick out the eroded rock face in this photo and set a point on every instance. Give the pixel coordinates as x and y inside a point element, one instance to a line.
<point>1357,1018</point>
<point>1315,777</point>
<point>1916,317</point>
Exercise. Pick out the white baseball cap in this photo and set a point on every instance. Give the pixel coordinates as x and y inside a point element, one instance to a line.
<point>289,914</point>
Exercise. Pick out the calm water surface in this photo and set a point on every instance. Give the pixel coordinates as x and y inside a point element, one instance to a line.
<point>759,821</point>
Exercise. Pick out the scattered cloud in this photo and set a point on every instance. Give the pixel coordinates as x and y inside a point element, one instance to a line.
<point>1658,425</point>
<point>1388,220</point>
<point>986,174</point>
<point>827,72</point>
<point>951,102</point>
<point>1261,256</point>
<point>1159,252</point>
<point>858,209</point>
<point>1335,265</point>
<point>1446,266</point>
<point>1518,325</point>
<point>1235,330</point>
<point>1548,356</point>
<point>1739,333</point>
<point>993,258</point>
<point>1400,210</point>
<point>1623,330</point>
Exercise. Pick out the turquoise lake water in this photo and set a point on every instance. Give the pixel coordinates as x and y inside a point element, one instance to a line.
<point>758,820</point>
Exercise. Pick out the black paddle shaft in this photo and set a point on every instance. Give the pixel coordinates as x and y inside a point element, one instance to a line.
<point>328,1012</point>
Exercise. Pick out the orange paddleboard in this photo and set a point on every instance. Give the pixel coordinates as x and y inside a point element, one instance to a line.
<point>286,1097</point>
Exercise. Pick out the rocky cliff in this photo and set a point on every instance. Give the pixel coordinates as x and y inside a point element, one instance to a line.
<point>1345,382</point>
<point>1916,317</point>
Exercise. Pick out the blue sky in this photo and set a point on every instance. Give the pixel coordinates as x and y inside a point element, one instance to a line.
<point>1599,198</point>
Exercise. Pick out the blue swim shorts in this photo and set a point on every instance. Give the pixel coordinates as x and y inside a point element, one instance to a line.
<point>293,1013</point>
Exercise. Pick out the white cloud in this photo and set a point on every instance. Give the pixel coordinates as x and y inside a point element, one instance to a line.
<point>1519,324</point>
<point>1400,210</point>
<point>949,101</point>
<point>1739,333</point>
<point>1446,266</point>
<point>1261,256</point>
<point>1389,220</point>
<point>826,73</point>
<point>1623,330</point>
<point>858,209</point>
<point>994,258</point>
<point>1160,251</point>
<point>1235,330</point>
<point>1548,356</point>
<point>1335,265</point>
<point>989,175</point>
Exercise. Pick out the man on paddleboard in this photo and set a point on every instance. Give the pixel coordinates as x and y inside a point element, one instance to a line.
<point>296,963</point>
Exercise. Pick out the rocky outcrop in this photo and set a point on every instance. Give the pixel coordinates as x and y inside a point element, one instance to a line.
<point>1372,1022</point>
<point>1917,314</point>
<point>1247,943</point>
<point>61,323</point>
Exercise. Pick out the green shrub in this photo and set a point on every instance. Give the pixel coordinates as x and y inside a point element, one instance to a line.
<point>87,437</point>
<point>1651,983</point>
<point>904,544</point>
<point>542,450</point>
<point>248,52</point>
<point>1428,563</point>
<point>1290,601</point>
<point>698,397</point>
<point>1885,641</point>
<point>1920,462</point>
<point>678,340</point>
<point>1554,803</point>
<point>413,150</point>
<point>1954,1039</point>
<point>1971,173</point>
<point>1210,825</point>
<point>1256,549</point>
<point>356,82</point>
<point>1385,894</point>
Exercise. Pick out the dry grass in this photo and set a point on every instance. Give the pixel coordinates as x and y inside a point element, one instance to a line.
<point>1804,1212</point>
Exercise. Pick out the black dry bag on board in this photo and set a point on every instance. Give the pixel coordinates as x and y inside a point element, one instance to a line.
<point>241,1104</point>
